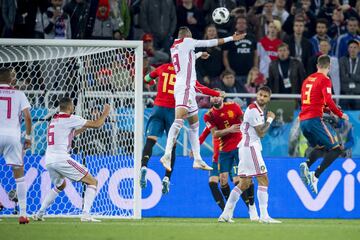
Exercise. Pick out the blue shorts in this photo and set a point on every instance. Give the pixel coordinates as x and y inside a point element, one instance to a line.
<point>318,133</point>
<point>160,120</point>
<point>215,171</point>
<point>229,161</point>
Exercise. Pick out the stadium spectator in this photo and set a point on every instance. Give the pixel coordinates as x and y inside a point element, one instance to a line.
<point>338,25</point>
<point>190,16</point>
<point>158,17</point>
<point>229,85</point>
<point>301,11</point>
<point>15,16</point>
<point>321,33</point>
<point>155,57</point>
<point>324,48</point>
<point>327,9</point>
<point>259,16</point>
<point>56,22</point>
<point>105,27</point>
<point>254,80</point>
<point>120,12</point>
<point>267,47</point>
<point>285,74</point>
<point>299,46</point>
<point>79,12</point>
<point>340,48</point>
<point>280,11</point>
<point>209,70</point>
<point>350,75</point>
<point>241,56</point>
<point>40,7</point>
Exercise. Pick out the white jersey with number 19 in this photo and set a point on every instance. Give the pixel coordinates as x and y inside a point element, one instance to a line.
<point>60,135</point>
<point>12,103</point>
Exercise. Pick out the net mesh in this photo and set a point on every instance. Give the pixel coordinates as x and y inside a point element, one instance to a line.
<point>91,76</point>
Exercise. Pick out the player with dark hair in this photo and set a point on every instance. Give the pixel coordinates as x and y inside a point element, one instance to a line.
<point>13,106</point>
<point>163,115</point>
<point>251,164</point>
<point>224,120</point>
<point>315,95</point>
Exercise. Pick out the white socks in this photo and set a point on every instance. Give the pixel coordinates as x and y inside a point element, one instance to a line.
<point>21,194</point>
<point>89,198</point>
<point>231,202</point>
<point>173,133</point>
<point>194,140</point>
<point>49,199</point>
<point>263,198</point>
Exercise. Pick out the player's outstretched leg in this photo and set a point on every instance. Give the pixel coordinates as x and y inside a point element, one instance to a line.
<point>90,195</point>
<point>195,144</point>
<point>329,158</point>
<point>171,140</point>
<point>315,154</point>
<point>49,199</point>
<point>146,155</point>
<point>18,172</point>
<point>166,179</point>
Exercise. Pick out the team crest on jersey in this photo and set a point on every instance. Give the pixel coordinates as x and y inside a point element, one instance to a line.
<point>231,114</point>
<point>222,114</point>
<point>262,168</point>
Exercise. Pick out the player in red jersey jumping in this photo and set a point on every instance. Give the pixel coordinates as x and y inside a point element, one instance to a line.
<point>315,95</point>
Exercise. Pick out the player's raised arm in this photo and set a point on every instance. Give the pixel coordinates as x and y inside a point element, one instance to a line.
<point>28,127</point>
<point>100,121</point>
<point>261,130</point>
<point>207,91</point>
<point>220,41</point>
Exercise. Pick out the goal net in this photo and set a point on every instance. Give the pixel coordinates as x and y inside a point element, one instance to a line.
<point>92,73</point>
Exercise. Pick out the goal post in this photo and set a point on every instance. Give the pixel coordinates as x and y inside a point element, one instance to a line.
<point>92,73</point>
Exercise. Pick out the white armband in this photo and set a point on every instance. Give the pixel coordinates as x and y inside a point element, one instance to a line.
<point>228,39</point>
<point>198,54</point>
<point>269,120</point>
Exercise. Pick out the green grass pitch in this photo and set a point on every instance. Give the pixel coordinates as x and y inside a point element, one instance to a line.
<point>180,228</point>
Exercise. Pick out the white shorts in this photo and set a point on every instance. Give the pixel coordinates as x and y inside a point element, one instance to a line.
<point>66,169</point>
<point>251,163</point>
<point>12,150</point>
<point>186,98</point>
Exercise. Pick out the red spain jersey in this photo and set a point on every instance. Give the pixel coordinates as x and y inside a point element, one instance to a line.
<point>223,118</point>
<point>215,141</point>
<point>315,95</point>
<point>165,87</point>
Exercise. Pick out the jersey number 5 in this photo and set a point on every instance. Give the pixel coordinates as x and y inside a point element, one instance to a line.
<point>51,135</point>
<point>168,80</point>
<point>307,94</point>
<point>8,106</point>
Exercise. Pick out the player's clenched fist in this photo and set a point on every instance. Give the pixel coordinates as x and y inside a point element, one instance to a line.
<point>345,117</point>
<point>270,114</point>
<point>237,36</point>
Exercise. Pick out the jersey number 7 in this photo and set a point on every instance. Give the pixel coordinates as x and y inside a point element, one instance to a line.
<point>8,107</point>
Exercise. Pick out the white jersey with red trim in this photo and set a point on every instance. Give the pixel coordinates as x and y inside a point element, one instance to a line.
<point>12,103</point>
<point>60,134</point>
<point>253,117</point>
<point>183,59</point>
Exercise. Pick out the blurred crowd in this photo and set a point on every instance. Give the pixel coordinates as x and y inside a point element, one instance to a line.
<point>283,41</point>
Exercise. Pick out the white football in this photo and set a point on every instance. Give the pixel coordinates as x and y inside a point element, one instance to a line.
<point>221,15</point>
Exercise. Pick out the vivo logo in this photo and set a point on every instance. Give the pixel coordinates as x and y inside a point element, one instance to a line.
<point>103,177</point>
<point>317,203</point>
